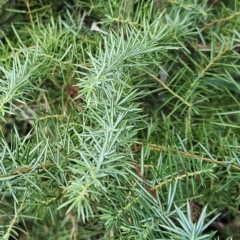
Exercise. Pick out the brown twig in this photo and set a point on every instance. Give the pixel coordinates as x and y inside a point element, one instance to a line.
<point>149,189</point>
<point>220,20</point>
<point>26,170</point>
<point>215,2</point>
<point>185,154</point>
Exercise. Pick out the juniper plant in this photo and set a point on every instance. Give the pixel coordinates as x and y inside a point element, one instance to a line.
<point>119,119</point>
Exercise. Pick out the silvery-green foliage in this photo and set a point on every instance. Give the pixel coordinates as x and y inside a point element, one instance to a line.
<point>94,143</point>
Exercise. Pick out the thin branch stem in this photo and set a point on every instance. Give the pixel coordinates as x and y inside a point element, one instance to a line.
<point>185,154</point>
<point>220,20</point>
<point>13,221</point>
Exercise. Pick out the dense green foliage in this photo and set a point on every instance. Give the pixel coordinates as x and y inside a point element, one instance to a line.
<point>119,119</point>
